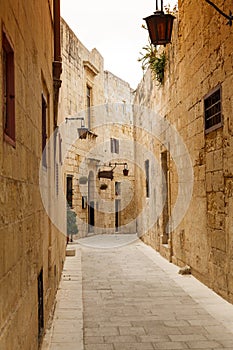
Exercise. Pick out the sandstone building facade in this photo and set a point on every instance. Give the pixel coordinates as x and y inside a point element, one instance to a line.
<point>32,250</point>
<point>196,100</point>
<point>176,140</point>
<point>96,123</point>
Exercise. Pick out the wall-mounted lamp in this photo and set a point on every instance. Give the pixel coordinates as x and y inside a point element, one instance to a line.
<point>229,17</point>
<point>105,174</point>
<point>75,118</point>
<point>125,170</point>
<point>82,132</point>
<point>108,174</point>
<point>160,26</point>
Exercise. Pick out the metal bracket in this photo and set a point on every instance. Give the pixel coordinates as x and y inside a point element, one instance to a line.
<point>229,17</point>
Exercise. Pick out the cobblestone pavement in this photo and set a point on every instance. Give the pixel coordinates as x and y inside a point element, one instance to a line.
<point>135,300</point>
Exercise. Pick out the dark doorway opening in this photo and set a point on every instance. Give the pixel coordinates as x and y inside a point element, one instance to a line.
<point>69,190</point>
<point>40,307</point>
<point>91,216</point>
<point>91,202</point>
<point>165,215</point>
<point>117,214</point>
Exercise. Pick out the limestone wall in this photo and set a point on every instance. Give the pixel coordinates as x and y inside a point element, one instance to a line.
<point>199,60</point>
<point>29,243</point>
<point>81,67</point>
<point>109,117</point>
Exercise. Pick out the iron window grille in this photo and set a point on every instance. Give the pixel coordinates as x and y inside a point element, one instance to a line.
<point>213,110</point>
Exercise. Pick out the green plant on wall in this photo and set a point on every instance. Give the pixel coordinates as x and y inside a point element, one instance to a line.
<point>72,227</point>
<point>150,56</point>
<point>155,61</point>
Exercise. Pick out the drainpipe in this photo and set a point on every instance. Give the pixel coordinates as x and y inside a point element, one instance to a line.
<point>57,62</point>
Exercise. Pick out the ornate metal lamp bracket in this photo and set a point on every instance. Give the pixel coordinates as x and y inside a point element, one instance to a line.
<point>229,17</point>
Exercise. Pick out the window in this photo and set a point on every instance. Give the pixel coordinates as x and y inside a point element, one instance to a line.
<point>40,306</point>
<point>117,188</point>
<point>8,91</point>
<point>147,167</point>
<point>89,106</point>
<point>69,190</point>
<point>84,202</point>
<point>44,131</point>
<point>213,113</point>
<point>114,145</point>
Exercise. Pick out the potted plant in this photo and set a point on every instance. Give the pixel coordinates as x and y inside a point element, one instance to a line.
<point>72,227</point>
<point>103,186</point>
<point>83,180</point>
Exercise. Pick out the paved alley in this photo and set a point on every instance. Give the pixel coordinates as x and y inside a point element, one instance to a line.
<point>130,298</point>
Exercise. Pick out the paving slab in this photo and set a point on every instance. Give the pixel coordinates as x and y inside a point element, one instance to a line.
<point>65,331</point>
<point>127,297</point>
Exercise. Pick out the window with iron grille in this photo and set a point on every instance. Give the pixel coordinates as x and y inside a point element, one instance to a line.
<point>8,90</point>
<point>213,110</point>
<point>114,145</point>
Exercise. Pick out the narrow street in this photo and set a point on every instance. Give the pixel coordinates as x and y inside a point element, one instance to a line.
<point>130,298</point>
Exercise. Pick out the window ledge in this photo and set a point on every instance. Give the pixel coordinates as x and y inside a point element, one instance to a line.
<point>213,128</point>
<point>9,140</point>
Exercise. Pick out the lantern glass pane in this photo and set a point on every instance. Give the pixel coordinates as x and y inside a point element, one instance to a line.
<point>160,28</point>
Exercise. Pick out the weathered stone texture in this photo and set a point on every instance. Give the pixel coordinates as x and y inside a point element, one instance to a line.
<point>26,235</point>
<point>199,59</point>
<point>110,117</point>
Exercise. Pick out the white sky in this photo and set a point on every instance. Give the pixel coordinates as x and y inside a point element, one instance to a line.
<point>114,29</point>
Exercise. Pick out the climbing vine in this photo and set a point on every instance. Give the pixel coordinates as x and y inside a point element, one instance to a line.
<point>155,61</point>
<point>150,57</point>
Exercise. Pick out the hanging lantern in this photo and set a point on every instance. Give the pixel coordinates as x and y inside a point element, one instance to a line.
<point>82,132</point>
<point>159,26</point>
<point>125,170</point>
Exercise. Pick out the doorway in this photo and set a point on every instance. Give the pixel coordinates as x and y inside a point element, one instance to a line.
<point>91,202</point>
<point>91,216</point>
<point>165,194</point>
<point>69,190</point>
<point>40,306</point>
<point>117,214</point>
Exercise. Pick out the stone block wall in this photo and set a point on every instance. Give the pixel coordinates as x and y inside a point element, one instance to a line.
<point>81,67</point>
<point>29,243</point>
<point>110,116</point>
<point>198,60</point>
